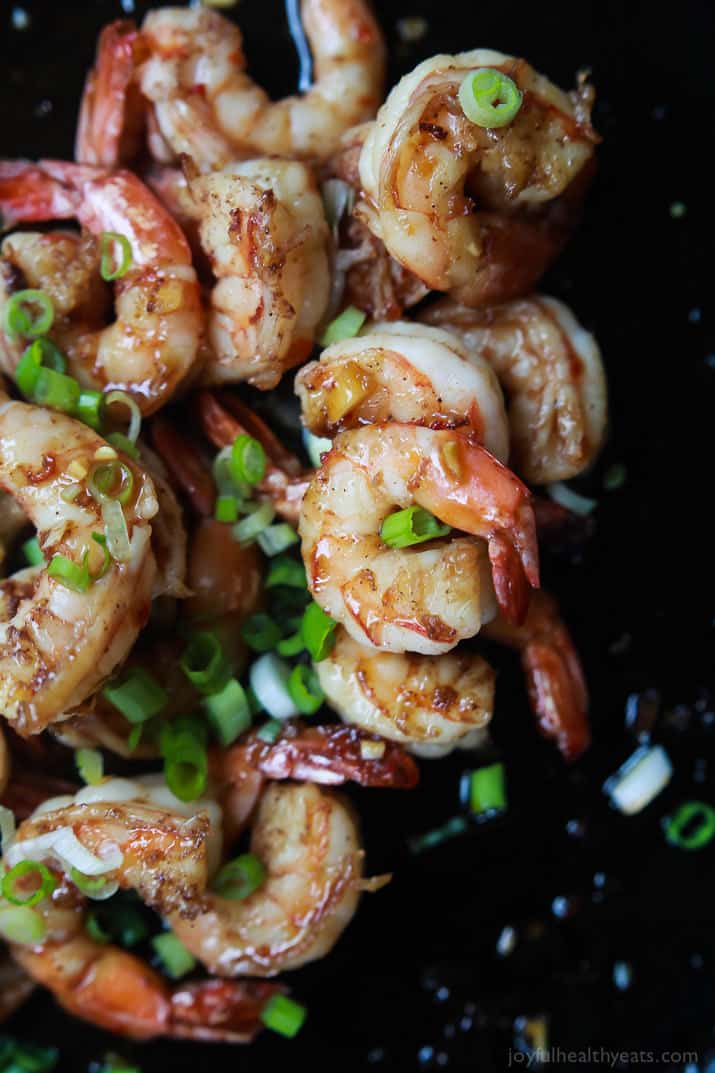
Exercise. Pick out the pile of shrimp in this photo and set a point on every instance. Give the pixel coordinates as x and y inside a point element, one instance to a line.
<point>377,254</point>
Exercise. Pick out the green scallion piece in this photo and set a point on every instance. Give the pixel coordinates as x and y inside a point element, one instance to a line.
<point>185,765</point>
<point>33,552</point>
<point>138,696</point>
<point>248,460</point>
<point>345,326</point>
<point>304,688</point>
<point>691,827</point>
<point>175,958</point>
<point>291,646</point>
<point>13,887</point>
<point>90,765</point>
<point>116,252</point>
<point>286,571</point>
<point>20,924</point>
<point>16,1057</point>
<point>228,712</point>
<point>98,887</point>
<point>95,930</point>
<point>89,408</point>
<point>284,1016</point>
<point>270,731</point>
<point>69,573</point>
<point>41,353</point>
<point>120,919</point>
<point>111,480</point>
<point>240,878</point>
<point>226,509</point>
<point>56,391</point>
<point>276,538</point>
<point>490,98</point>
<point>122,443</point>
<point>615,477</point>
<point>485,790</point>
<point>318,631</point>
<point>247,530</point>
<point>260,632</point>
<point>29,313</point>
<point>430,839</point>
<point>114,1063</point>
<point>411,526</point>
<point>204,663</point>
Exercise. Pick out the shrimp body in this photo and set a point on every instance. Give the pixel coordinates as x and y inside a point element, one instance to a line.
<point>552,372</point>
<point>154,342</point>
<point>57,645</point>
<point>475,211</point>
<point>308,842</point>
<point>205,104</point>
<point>403,372</point>
<point>437,702</point>
<point>423,599</point>
<point>262,225</point>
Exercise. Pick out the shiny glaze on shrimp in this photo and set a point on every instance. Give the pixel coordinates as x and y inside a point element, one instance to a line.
<point>57,645</point>
<point>474,211</point>
<point>423,599</point>
<point>557,688</point>
<point>551,369</point>
<point>430,704</point>
<point>308,841</point>
<point>403,372</point>
<point>154,342</point>
<point>206,105</point>
<point>262,226</point>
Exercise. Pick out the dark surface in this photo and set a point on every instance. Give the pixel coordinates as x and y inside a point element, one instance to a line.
<point>416,983</point>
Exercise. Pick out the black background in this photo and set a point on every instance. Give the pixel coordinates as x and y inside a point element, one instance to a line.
<point>416,982</point>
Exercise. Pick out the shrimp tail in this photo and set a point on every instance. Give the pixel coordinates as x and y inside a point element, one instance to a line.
<point>183,460</point>
<point>30,194</point>
<point>557,693</point>
<point>105,134</point>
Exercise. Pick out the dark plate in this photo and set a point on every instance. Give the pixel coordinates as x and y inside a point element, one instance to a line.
<point>417,983</point>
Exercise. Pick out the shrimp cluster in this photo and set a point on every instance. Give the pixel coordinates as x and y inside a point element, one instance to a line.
<point>267,626</point>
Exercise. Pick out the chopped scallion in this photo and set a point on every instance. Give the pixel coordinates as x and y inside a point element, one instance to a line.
<point>116,253</point>
<point>228,712</point>
<point>90,765</point>
<point>284,1016</point>
<point>490,98</point>
<point>248,459</point>
<point>411,526</point>
<point>176,960</point>
<point>13,885</point>
<point>204,663</point>
<point>138,696</point>
<point>345,326</point>
<point>318,631</point>
<point>30,313</point>
<point>240,878</point>
<point>276,538</point>
<point>304,688</point>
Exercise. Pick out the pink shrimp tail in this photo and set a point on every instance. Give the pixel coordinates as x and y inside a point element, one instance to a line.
<point>103,117</point>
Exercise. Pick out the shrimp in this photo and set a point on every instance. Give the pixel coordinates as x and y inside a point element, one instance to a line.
<point>15,986</point>
<point>403,372</point>
<point>205,105</point>
<point>557,689</point>
<point>308,842</point>
<point>417,599</point>
<point>475,211</point>
<point>430,704</point>
<point>141,824</point>
<point>552,371</point>
<point>57,645</point>
<point>154,343</point>
<point>262,226</point>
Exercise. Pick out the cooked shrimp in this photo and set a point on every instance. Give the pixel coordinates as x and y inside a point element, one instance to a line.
<point>403,372</point>
<point>557,689</point>
<point>416,599</point>
<point>15,986</point>
<point>551,370</point>
<point>206,105</point>
<point>141,824</point>
<point>478,212</point>
<point>262,226</point>
<point>154,343</point>
<point>57,645</point>
<point>428,703</point>
<point>308,842</point>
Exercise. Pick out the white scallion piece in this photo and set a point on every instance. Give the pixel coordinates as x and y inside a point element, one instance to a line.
<point>639,780</point>
<point>269,681</point>
<point>566,497</point>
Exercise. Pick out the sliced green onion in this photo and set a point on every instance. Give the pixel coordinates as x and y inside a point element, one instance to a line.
<point>228,712</point>
<point>33,552</point>
<point>286,571</point>
<point>484,790</point>
<point>123,444</point>
<point>100,539</point>
<point>451,829</point>
<point>95,930</point>
<point>26,1057</point>
<point>269,681</point>
<point>90,765</point>
<point>276,538</point>
<point>490,98</point>
<point>411,526</point>
<point>641,778</point>
<point>227,484</point>
<point>185,765</point>
<point>615,477</point>
<point>566,497</point>
<point>41,353</point>
<point>47,883</point>
<point>176,960</point>
<point>304,688</point>
<point>248,459</point>
<point>20,924</point>
<point>56,390</point>
<point>98,888</point>
<point>318,630</point>
<point>691,827</point>
<point>123,398</point>
<point>270,731</point>
<point>29,313</point>
<point>204,663</point>
<point>344,326</point>
<point>226,509</point>
<point>134,737</point>
<point>260,632</point>
<point>7,827</point>
<point>115,263</point>
<point>254,523</point>
<point>240,878</point>
<point>70,574</point>
<point>114,1063</point>
<point>89,408</point>
<point>111,480</point>
<point>70,493</point>
<point>316,447</point>
<point>121,919</point>
<point>115,530</point>
<point>138,696</point>
<point>291,646</point>
<point>284,1016</point>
